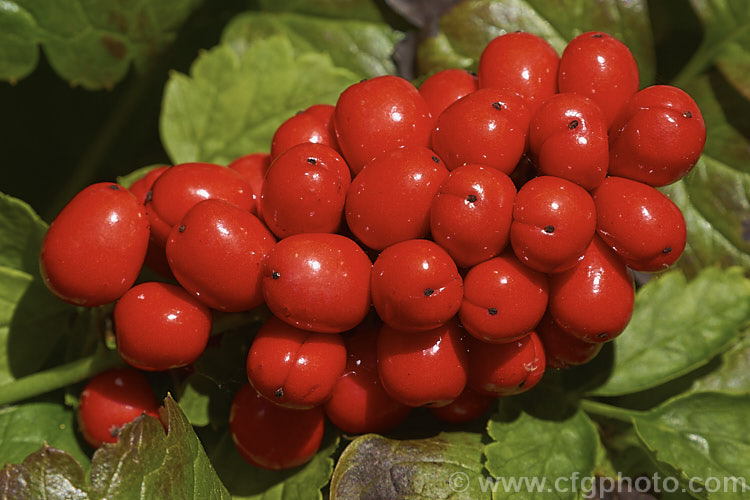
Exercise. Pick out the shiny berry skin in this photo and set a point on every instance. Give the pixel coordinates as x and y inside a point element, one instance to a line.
<point>142,186</point>
<point>216,253</point>
<point>523,63</point>
<point>568,139</point>
<point>389,200</point>
<point>156,258</point>
<point>503,299</point>
<point>160,326</point>
<point>658,137</point>
<point>111,400</point>
<point>602,68</point>
<point>553,223</point>
<point>380,114</point>
<point>253,168</point>
<point>445,87</point>
<point>471,214</point>
<point>305,190</point>
<point>416,286</point>
<point>273,437</point>
<point>318,282</point>
<point>505,369</point>
<point>292,367</point>
<point>183,186</point>
<point>644,227</point>
<point>562,349</point>
<point>359,403</point>
<point>425,368</point>
<point>301,128</point>
<point>487,127</point>
<point>94,249</point>
<point>469,406</point>
<point>594,300</point>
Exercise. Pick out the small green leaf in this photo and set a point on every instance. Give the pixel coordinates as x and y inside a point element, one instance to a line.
<point>129,179</point>
<point>705,438</point>
<point>448,465</point>
<point>231,105</point>
<point>47,473</point>
<point>21,234</point>
<point>677,327</point>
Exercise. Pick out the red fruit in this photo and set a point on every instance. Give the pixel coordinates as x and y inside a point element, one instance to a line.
<point>389,201</point>
<point>270,436</point>
<point>644,227</point>
<point>95,247</point>
<point>503,299</point>
<point>471,214</point>
<point>380,114</point>
<point>292,367</point>
<point>487,127</point>
<point>425,368</point>
<point>553,223</point>
<point>469,406</point>
<point>416,286</point>
<point>568,139</point>
<point>563,349</point>
<point>305,190</point>
<point>658,137</point>
<point>359,403</point>
<point>301,128</point>
<point>602,68</point>
<point>505,369</point>
<point>446,87</point>
<point>111,400</point>
<point>216,253</point>
<point>318,282</point>
<point>594,300</point>
<point>142,186</point>
<point>253,168</point>
<point>520,62</point>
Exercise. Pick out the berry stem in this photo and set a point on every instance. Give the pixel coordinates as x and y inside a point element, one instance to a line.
<point>609,411</point>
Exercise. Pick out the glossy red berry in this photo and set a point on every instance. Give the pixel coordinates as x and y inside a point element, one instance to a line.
<point>273,437</point>
<point>469,406</point>
<point>487,127</point>
<point>216,253</point>
<point>95,247</point>
<point>111,400</point>
<point>253,168</point>
<point>318,282</point>
<point>658,137</point>
<point>445,87</point>
<point>416,286</point>
<point>644,227</point>
<point>292,367</point>
<point>505,369</point>
<point>156,258</point>
<point>563,349</point>
<point>380,114</point>
<point>305,190</point>
<point>553,223</point>
<point>389,200</point>
<point>523,63</point>
<point>425,368</point>
<point>568,139</point>
<point>602,68</point>
<point>594,300</point>
<point>471,214</point>
<point>142,186</point>
<point>503,299</point>
<point>301,128</point>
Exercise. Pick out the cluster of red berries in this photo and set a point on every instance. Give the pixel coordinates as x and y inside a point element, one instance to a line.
<point>489,221</point>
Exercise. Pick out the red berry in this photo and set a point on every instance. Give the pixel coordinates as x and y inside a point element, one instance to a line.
<point>300,129</point>
<point>111,400</point>
<point>318,282</point>
<point>253,168</point>
<point>95,247</point>
<point>446,87</point>
<point>273,437</point>
<point>292,367</point>
<point>469,406</point>
<point>142,186</point>
<point>563,349</point>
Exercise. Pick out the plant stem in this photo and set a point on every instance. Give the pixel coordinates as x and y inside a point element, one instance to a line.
<point>609,411</point>
<point>59,376</point>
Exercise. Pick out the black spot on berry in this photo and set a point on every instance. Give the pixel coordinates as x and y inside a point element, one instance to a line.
<point>363,80</point>
<point>114,187</point>
<point>492,311</point>
<point>573,124</point>
<point>472,73</point>
<point>299,112</point>
<point>522,384</point>
<point>471,198</point>
<point>181,228</point>
<point>436,159</point>
<point>666,250</point>
<point>428,292</point>
<point>598,35</point>
<point>687,114</point>
<point>497,106</point>
<point>312,161</point>
<point>275,275</point>
<point>602,335</point>
<point>549,229</point>
<point>279,393</point>
<point>149,196</point>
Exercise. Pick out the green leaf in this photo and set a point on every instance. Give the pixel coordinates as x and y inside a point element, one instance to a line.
<point>47,473</point>
<point>677,327</point>
<point>733,373</point>
<point>27,427</point>
<point>363,10</point>
<point>21,234</point>
<point>364,48</point>
<point>541,451</point>
<point>703,437</point>
<point>90,43</point>
<point>448,465</point>
<point>473,23</point>
<point>129,179</point>
<point>231,105</point>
